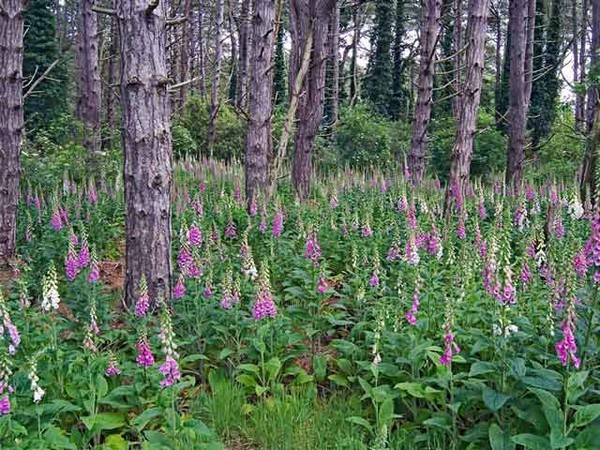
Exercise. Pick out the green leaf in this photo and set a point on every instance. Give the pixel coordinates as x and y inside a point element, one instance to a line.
<point>414,389</point>
<point>543,383</point>
<point>588,438</point>
<point>586,414</point>
<point>494,400</point>
<point>140,422</point>
<point>482,367</point>
<point>55,437</point>
<point>225,353</point>
<point>246,380</point>
<point>103,421</point>
<point>101,386</point>
<point>159,439</point>
<point>115,442</point>
<point>360,421</point>
<point>260,390</point>
<point>273,366</point>
<point>517,365</point>
<point>386,412</point>
<point>552,411</point>
<point>499,440</point>
<point>531,441</point>
<point>440,421</point>
<point>338,379</point>
<point>249,368</point>
<point>320,367</point>
<point>365,385</point>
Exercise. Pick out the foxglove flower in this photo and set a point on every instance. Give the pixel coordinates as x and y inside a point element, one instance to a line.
<point>170,370</point>
<point>142,305</point>
<point>50,296</point>
<point>230,229</point>
<point>264,306</point>
<point>411,314</point>
<point>566,349</point>
<point>312,250</point>
<point>450,349</point>
<point>278,223</point>
<point>179,289</point>
<point>194,235</point>
<point>56,220</point>
<point>374,280</point>
<point>144,357</point>
<point>112,368</point>
<point>4,405</point>
<point>322,284</point>
<point>580,264</point>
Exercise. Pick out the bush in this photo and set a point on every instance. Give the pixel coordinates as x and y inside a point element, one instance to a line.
<point>183,142</point>
<point>363,138</point>
<point>230,129</point>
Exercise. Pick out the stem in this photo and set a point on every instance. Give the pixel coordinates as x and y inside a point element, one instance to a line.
<point>588,333</point>
<point>566,401</point>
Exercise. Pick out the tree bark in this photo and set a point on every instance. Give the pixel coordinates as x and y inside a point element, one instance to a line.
<point>244,54</point>
<point>430,31</point>
<point>356,36</point>
<point>517,104</point>
<point>258,137</point>
<point>214,93</point>
<point>201,51</point>
<point>110,96</point>
<point>458,58</point>
<point>462,151</point>
<point>575,50</point>
<point>147,148</point>
<point>310,107</point>
<point>334,45</point>
<point>11,122</point>
<point>528,63</point>
<point>186,52</point>
<point>580,99</point>
<point>88,98</point>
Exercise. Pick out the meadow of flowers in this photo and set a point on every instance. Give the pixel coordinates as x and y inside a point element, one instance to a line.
<point>360,319</point>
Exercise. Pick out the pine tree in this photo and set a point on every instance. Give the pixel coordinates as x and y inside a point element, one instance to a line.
<point>41,49</point>
<point>379,75</point>
<point>399,101</point>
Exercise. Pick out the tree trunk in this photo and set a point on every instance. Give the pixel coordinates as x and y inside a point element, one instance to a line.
<point>575,50</point>
<point>244,54</point>
<point>186,53</point>
<point>11,122</point>
<point>528,63</point>
<point>110,95</point>
<point>310,108</point>
<point>580,99</point>
<point>458,58</point>
<point>467,119</point>
<point>88,98</point>
<point>356,36</point>
<point>430,30</point>
<point>334,62</point>
<point>517,104</point>
<point>592,94</point>
<point>214,93</point>
<point>201,51</point>
<point>258,137</point>
<point>233,74</point>
<point>147,148</point>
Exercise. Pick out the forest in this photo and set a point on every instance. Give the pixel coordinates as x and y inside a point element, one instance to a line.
<point>299,224</point>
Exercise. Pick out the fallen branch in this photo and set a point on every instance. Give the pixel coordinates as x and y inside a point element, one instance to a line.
<point>101,10</point>
<point>184,83</point>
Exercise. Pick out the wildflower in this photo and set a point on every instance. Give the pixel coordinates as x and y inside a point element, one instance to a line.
<point>402,204</point>
<point>184,258</point>
<point>411,217</point>
<point>333,202</point>
<point>461,231</point>
<point>525,274</point>
<point>262,226</point>
<point>179,289</point>
<point>322,284</point>
<point>207,292</point>
<point>253,208</point>
<point>50,296</point>
<point>56,220</point>
<point>450,348</point>
<point>94,273</point>
<point>71,263</point>
<point>230,229</point>
<point>580,264</point>
<point>481,210</point>
<point>567,348</point>
<point>393,253</point>
<point>170,369</point>
<point>38,392</point>
<point>264,306</point>
<point>312,249</point>
<point>411,254</point>
<point>144,357</point>
<point>374,280</point>
<point>529,193</point>
<point>142,305</point>
<point>411,314</point>
<point>194,236</point>
<point>576,208</point>
<point>559,229</point>
<point>367,231</point>
<point>112,368</point>
<point>4,405</point>
<point>278,223</point>
<point>248,266</point>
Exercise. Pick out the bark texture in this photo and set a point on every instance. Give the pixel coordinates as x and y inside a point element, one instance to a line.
<point>303,15</point>
<point>88,73</point>
<point>430,31</point>
<point>462,151</point>
<point>11,121</point>
<point>517,103</point>
<point>186,52</point>
<point>216,79</point>
<point>244,54</point>
<point>258,137</point>
<point>147,147</point>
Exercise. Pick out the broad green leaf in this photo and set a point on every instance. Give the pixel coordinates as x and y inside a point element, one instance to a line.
<point>386,412</point>
<point>494,400</point>
<point>531,441</point>
<point>360,421</point>
<point>246,380</point>
<point>55,438</point>
<point>140,422</point>
<point>413,389</point>
<point>101,386</point>
<point>586,414</point>
<point>482,367</point>
<point>499,440</point>
<point>320,367</point>
<point>338,379</point>
<point>249,368</point>
<point>552,411</point>
<point>103,421</point>
<point>115,442</point>
<point>273,366</point>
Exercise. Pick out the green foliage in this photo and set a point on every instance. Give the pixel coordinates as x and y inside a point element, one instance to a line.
<point>183,142</point>
<point>41,49</point>
<point>363,138</point>
<point>399,101</point>
<point>378,83</point>
<point>280,92</point>
<point>230,129</point>
<point>560,156</point>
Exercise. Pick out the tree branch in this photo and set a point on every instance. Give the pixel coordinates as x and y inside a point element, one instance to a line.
<point>176,20</point>
<point>102,10</point>
<point>40,79</point>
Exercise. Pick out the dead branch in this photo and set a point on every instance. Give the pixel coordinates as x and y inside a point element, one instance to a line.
<point>40,78</point>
